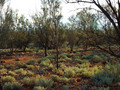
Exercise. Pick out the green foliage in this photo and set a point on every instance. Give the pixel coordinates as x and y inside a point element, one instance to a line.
<point>31,62</point>
<point>65,87</point>
<point>9,66</point>
<point>30,73</point>
<point>55,77</point>
<point>21,71</point>
<point>20,65</point>
<point>2,67</point>
<point>45,83</point>
<point>30,67</point>
<point>108,76</point>
<point>45,63</point>
<point>72,80</point>
<point>69,72</point>
<point>29,81</point>
<point>3,71</point>
<point>64,79</point>
<point>51,57</point>
<point>39,88</point>
<point>12,86</point>
<point>60,72</point>
<point>8,79</point>
<point>96,59</point>
<point>12,73</point>
<point>88,56</point>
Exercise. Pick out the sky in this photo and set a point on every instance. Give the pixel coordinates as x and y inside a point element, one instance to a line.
<point>29,7</point>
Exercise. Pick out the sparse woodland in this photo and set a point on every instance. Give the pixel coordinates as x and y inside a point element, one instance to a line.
<point>47,54</point>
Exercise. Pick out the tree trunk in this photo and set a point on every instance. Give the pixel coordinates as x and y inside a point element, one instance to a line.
<point>45,52</point>
<point>57,52</point>
<point>71,48</point>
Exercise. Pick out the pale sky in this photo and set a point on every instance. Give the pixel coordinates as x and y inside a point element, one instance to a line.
<point>29,7</point>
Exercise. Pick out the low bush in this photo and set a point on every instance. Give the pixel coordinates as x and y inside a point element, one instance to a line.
<point>3,71</point>
<point>59,71</point>
<point>88,56</point>
<point>30,73</point>
<point>64,79</point>
<point>29,81</point>
<point>96,59</point>
<point>72,80</point>
<point>69,72</point>
<point>45,63</point>
<point>12,73</point>
<point>42,59</point>
<point>8,79</point>
<point>9,66</point>
<point>12,86</point>
<point>45,83</point>
<point>21,71</point>
<point>30,67</point>
<point>31,62</point>
<point>51,57</point>
<point>39,88</point>
<point>66,87</point>
<point>20,65</point>
<point>55,77</point>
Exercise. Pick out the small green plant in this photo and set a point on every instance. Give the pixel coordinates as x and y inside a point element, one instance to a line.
<point>21,71</point>
<point>12,73</point>
<point>39,88</point>
<point>45,63</point>
<point>3,71</point>
<point>88,56</point>
<point>69,72</point>
<point>96,59</point>
<point>30,67</point>
<point>9,66</point>
<point>66,87</point>
<point>60,72</point>
<point>51,57</point>
<point>30,73</point>
<point>42,59</point>
<point>31,62</point>
<point>45,83</point>
<point>64,79</point>
<point>8,79</point>
<point>20,65</point>
<point>55,77</point>
<point>29,81</point>
<point>72,80</point>
<point>2,67</point>
<point>12,86</point>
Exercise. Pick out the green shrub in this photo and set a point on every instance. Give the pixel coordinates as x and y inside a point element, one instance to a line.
<point>68,55</point>
<point>31,62</point>
<point>60,72</point>
<point>64,79</point>
<point>8,79</point>
<point>96,59</point>
<point>62,56</point>
<point>72,80</point>
<point>45,63</point>
<point>39,88</point>
<point>65,87</point>
<point>21,72</point>
<point>51,57</point>
<point>20,65</point>
<point>45,83</point>
<point>30,73</point>
<point>69,72</point>
<point>12,86</point>
<point>88,56</point>
<point>12,73</point>
<point>9,66</point>
<point>2,67</point>
<point>30,67</point>
<point>55,77</point>
<point>3,71</point>
<point>29,81</point>
<point>42,59</point>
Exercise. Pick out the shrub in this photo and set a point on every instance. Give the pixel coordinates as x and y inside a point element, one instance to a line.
<point>31,62</point>
<point>12,73</point>
<point>88,56</point>
<point>64,79</point>
<point>72,80</point>
<point>51,57</point>
<point>39,88</point>
<point>3,71</point>
<point>96,59</point>
<point>30,67</point>
<point>29,81</point>
<point>68,55</point>
<point>45,83</point>
<point>60,72</point>
<point>21,72</point>
<point>2,67</point>
<point>69,72</point>
<point>45,63</point>
<point>65,87</point>
<point>12,86</point>
<point>55,77</point>
<point>42,59</point>
<point>9,66</point>
<point>30,73</point>
<point>8,79</point>
<point>20,65</point>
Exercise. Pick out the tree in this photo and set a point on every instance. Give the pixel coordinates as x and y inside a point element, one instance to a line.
<point>112,13</point>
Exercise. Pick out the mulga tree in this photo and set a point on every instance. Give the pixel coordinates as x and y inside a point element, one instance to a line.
<point>23,36</point>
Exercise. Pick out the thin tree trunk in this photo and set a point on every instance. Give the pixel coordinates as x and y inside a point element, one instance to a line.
<point>45,52</point>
